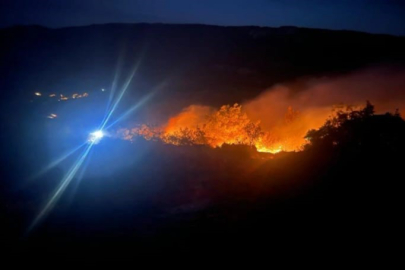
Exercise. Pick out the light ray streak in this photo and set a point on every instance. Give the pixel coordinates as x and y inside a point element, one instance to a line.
<point>139,104</point>
<point>131,110</point>
<point>114,83</point>
<point>56,162</point>
<point>62,186</point>
<point>120,95</point>
<point>80,176</point>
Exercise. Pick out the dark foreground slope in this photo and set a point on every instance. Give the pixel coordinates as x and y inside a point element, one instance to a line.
<point>343,191</point>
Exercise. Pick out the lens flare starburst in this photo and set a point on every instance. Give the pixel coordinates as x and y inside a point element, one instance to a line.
<point>96,136</point>
<point>93,139</point>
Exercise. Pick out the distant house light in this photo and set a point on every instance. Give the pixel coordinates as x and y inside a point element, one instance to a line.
<point>52,116</point>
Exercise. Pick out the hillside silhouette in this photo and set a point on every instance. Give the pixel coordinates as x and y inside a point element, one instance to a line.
<point>166,199</point>
<point>202,64</point>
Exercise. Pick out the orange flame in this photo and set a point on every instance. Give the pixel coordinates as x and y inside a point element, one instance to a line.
<point>270,121</point>
<point>199,125</point>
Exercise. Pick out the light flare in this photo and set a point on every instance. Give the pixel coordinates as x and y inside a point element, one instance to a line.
<point>93,139</point>
<point>62,186</point>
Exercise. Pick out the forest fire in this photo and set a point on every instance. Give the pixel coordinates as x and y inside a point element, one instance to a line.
<point>200,125</point>
<point>279,119</point>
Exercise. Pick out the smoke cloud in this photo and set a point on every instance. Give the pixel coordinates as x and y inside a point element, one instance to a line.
<point>280,117</point>
<point>383,87</point>
<point>315,99</point>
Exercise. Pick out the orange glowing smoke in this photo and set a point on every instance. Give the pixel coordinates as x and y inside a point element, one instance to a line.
<point>279,118</point>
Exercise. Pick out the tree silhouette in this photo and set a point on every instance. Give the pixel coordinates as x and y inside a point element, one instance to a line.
<point>359,129</point>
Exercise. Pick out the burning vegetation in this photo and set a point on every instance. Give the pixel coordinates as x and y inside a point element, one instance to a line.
<point>200,125</point>
<point>280,118</point>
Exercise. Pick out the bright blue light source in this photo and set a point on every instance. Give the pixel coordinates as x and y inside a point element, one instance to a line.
<point>98,134</point>
<point>95,136</point>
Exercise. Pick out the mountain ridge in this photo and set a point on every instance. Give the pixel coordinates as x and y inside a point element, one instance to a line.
<point>190,64</point>
<point>202,25</point>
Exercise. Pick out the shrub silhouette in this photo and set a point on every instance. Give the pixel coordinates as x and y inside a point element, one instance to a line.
<point>362,129</point>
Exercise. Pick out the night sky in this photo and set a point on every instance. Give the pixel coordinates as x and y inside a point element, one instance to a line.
<point>375,16</point>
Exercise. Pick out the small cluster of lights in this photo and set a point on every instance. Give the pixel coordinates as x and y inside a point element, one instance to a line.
<point>74,96</point>
<point>63,97</point>
<point>52,116</point>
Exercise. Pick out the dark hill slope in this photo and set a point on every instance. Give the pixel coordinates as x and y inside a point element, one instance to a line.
<point>200,63</point>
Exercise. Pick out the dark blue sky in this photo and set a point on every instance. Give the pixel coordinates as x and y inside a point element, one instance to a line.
<point>376,16</point>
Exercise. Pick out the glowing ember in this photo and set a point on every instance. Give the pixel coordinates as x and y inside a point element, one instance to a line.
<point>269,150</point>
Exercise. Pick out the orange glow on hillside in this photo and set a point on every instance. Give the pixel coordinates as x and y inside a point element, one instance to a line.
<point>200,125</point>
